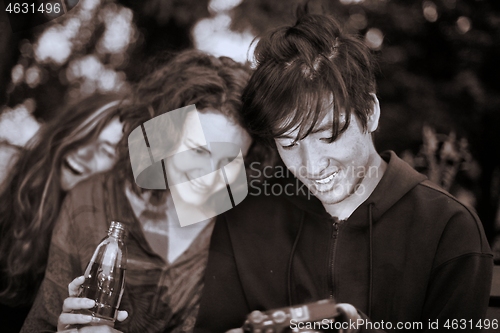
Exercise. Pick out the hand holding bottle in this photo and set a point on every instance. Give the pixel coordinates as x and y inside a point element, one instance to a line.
<point>69,319</point>
<point>95,297</point>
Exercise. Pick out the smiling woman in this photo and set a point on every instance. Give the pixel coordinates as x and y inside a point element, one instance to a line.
<point>194,172</point>
<point>91,157</point>
<point>78,143</point>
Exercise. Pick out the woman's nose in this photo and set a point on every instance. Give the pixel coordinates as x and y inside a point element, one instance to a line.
<point>212,178</point>
<point>85,153</point>
<point>206,174</point>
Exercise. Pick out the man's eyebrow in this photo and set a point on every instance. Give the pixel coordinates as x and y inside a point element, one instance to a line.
<point>284,136</point>
<point>323,128</point>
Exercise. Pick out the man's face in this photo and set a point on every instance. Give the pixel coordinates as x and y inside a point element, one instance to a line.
<point>331,171</point>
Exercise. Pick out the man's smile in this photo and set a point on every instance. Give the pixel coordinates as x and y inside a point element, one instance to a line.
<point>327,179</point>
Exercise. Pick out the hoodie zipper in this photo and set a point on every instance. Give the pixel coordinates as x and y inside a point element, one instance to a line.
<point>335,234</point>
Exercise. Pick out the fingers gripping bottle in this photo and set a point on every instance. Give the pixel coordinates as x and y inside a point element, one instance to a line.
<point>105,276</point>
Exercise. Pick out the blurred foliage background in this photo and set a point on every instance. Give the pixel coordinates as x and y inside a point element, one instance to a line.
<point>438,70</point>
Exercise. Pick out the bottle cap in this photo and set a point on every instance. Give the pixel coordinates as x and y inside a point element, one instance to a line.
<point>117,229</point>
<point>117,225</point>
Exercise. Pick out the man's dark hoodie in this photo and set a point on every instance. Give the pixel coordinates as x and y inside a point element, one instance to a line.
<point>411,253</point>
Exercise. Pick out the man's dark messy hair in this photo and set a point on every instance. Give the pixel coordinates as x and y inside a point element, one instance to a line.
<point>303,71</point>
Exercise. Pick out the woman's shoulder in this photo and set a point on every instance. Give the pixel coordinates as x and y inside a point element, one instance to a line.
<point>91,190</point>
<point>100,195</point>
<point>83,218</point>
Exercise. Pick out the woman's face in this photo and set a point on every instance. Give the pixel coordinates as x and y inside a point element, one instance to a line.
<point>96,156</point>
<point>195,162</point>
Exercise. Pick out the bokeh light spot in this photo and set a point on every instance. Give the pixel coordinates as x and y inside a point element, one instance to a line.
<point>430,11</point>
<point>348,2</point>
<point>53,46</point>
<point>89,4</point>
<point>223,5</point>
<point>107,81</point>
<point>214,36</point>
<point>17,73</point>
<point>118,33</point>
<point>463,24</point>
<point>374,38</point>
<point>26,48</point>
<point>72,26</point>
<point>33,76</point>
<point>18,125</point>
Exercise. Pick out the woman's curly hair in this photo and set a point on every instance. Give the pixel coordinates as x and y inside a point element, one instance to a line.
<point>31,199</point>
<point>190,77</point>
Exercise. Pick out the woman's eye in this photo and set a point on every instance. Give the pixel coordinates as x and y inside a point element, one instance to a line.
<point>109,152</point>
<point>200,151</point>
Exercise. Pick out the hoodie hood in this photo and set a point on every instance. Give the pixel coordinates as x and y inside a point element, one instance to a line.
<point>399,178</point>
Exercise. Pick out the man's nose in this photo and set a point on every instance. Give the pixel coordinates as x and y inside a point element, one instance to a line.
<point>314,161</point>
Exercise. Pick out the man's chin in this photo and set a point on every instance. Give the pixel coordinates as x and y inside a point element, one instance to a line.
<point>328,198</point>
<point>328,202</point>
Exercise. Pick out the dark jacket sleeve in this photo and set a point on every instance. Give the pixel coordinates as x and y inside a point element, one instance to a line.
<point>223,303</point>
<point>457,297</point>
<point>459,286</point>
<point>62,264</point>
<point>460,282</point>
<point>459,292</point>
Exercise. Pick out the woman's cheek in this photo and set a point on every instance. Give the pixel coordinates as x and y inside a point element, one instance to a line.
<point>104,163</point>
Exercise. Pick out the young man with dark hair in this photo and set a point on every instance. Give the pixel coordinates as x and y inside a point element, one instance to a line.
<point>393,249</point>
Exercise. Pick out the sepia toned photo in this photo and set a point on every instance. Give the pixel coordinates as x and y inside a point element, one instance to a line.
<point>260,166</point>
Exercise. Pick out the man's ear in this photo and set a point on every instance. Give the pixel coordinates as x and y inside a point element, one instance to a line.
<point>374,117</point>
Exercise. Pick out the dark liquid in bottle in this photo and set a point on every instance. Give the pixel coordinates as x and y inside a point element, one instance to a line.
<point>104,285</point>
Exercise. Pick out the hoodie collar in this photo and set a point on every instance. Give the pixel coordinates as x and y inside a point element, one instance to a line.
<point>399,178</point>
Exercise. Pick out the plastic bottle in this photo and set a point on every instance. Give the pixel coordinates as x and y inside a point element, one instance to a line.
<point>105,276</point>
